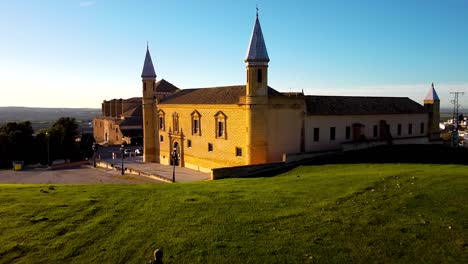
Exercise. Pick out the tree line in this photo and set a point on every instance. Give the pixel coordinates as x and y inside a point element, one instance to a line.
<point>62,140</point>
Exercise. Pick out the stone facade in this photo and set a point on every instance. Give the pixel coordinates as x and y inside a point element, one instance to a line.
<point>250,124</point>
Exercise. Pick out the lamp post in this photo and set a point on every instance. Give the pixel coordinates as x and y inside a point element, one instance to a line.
<point>174,157</point>
<point>122,150</point>
<point>48,149</point>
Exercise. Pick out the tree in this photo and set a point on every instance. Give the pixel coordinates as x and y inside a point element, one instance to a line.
<point>64,133</point>
<point>86,144</point>
<point>17,143</point>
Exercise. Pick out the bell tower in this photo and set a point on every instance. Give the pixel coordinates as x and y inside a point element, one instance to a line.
<point>150,129</point>
<point>257,97</point>
<point>432,106</point>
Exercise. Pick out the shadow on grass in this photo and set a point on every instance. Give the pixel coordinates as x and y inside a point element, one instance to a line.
<point>422,154</point>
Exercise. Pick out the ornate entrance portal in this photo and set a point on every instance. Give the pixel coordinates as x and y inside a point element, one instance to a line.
<point>176,152</point>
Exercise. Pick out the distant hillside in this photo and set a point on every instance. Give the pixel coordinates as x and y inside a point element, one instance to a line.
<point>45,117</point>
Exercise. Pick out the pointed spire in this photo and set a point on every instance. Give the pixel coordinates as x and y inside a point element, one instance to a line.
<point>148,68</point>
<point>432,94</point>
<point>257,51</point>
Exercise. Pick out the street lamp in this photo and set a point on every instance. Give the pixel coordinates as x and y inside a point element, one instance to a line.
<point>48,149</point>
<point>122,150</point>
<point>174,158</point>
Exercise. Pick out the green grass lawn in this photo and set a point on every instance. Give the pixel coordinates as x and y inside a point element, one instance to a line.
<point>313,214</point>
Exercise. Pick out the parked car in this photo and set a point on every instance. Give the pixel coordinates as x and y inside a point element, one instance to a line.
<point>138,152</point>
<point>127,152</point>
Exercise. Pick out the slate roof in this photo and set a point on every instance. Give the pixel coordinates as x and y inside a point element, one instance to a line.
<point>133,112</point>
<point>214,95</point>
<point>257,51</point>
<point>360,105</point>
<point>432,95</point>
<point>148,68</point>
<point>164,86</point>
<point>132,121</point>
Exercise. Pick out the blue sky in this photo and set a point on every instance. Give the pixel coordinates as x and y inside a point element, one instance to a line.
<point>69,53</point>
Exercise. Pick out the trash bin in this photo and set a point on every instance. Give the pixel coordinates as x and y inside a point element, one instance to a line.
<point>18,165</point>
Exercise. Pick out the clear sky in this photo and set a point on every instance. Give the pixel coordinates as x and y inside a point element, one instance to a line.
<point>71,53</point>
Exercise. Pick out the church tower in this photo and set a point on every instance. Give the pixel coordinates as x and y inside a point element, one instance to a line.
<point>432,106</point>
<point>257,97</point>
<point>150,143</point>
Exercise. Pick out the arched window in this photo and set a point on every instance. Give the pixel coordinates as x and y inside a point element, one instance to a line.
<point>259,76</point>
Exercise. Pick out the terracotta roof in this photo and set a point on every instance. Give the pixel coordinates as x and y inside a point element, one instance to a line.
<point>133,100</point>
<point>214,95</point>
<point>163,86</point>
<point>360,105</point>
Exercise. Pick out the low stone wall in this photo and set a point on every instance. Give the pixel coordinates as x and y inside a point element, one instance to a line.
<point>363,145</point>
<point>106,165</point>
<point>269,169</point>
<point>246,171</point>
<point>413,140</point>
<point>69,165</point>
<point>375,143</point>
<point>307,156</point>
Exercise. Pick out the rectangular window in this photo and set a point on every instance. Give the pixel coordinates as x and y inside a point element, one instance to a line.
<point>220,129</point>
<point>210,147</point>
<point>161,138</point>
<point>422,128</point>
<point>332,133</point>
<point>238,152</point>
<point>189,143</point>
<point>375,131</point>
<point>175,122</point>
<point>399,130</point>
<point>316,134</point>
<point>348,132</point>
<point>259,76</point>
<point>195,126</point>
<point>410,129</point>
<point>161,123</point>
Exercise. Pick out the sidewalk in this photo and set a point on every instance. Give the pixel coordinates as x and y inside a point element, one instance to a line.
<point>164,171</point>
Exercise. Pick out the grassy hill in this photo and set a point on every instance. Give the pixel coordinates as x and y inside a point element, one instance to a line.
<point>361,213</point>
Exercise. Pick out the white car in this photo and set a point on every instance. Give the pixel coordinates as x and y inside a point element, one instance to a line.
<point>127,152</point>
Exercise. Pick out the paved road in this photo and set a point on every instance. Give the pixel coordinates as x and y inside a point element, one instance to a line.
<point>181,174</point>
<point>82,175</point>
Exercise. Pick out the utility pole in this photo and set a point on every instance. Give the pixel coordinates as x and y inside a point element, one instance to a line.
<point>455,117</point>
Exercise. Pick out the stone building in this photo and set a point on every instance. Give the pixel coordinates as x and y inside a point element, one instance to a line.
<point>122,119</point>
<point>253,123</point>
